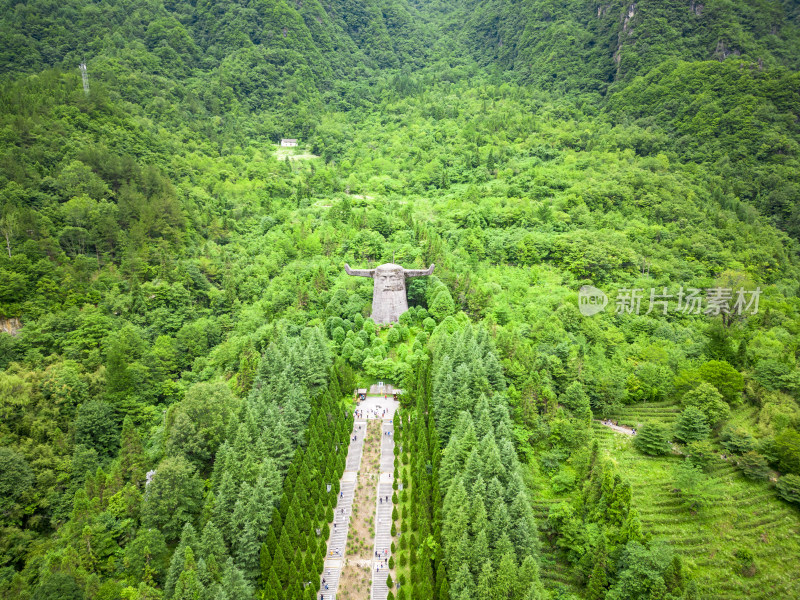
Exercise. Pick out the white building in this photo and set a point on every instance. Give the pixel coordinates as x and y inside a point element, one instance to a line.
<point>288,142</point>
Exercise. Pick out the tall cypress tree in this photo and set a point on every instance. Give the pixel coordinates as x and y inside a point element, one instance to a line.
<point>213,551</point>
<point>224,505</point>
<point>176,565</point>
<point>188,586</point>
<point>133,461</point>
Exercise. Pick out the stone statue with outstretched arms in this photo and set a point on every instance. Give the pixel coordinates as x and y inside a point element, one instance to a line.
<point>389,299</point>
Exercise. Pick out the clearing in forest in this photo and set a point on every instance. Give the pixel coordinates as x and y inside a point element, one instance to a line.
<point>282,153</point>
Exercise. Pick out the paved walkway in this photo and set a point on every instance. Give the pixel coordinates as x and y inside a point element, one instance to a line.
<point>383,513</point>
<point>337,543</point>
<point>377,407</point>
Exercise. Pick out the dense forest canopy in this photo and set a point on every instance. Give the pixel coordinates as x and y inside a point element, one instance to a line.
<point>180,342</point>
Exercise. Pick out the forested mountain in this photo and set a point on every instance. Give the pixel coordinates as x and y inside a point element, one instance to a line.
<point>180,342</point>
<point>591,45</point>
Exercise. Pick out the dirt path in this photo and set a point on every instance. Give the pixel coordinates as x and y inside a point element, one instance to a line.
<point>618,428</point>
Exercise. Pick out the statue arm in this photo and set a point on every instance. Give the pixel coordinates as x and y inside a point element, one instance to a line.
<point>419,272</point>
<point>358,272</point>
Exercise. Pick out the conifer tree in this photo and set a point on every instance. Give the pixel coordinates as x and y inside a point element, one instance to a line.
<point>246,548</point>
<point>188,586</point>
<point>224,505</point>
<point>234,585</point>
<point>652,439</point>
<point>133,461</point>
<point>598,580</point>
<point>264,564</point>
<point>213,551</point>
<point>692,425</point>
<point>281,565</point>
<point>505,578</point>
<point>188,540</point>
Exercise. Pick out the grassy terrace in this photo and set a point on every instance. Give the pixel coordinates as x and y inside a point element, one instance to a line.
<point>743,515</point>
<point>663,413</point>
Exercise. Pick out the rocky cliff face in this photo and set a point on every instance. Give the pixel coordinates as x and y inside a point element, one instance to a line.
<point>11,325</point>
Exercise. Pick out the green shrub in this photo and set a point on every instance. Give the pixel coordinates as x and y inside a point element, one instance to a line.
<point>747,564</point>
<point>700,454</point>
<point>787,449</point>
<point>753,466</point>
<point>737,440</point>
<point>652,439</point>
<point>788,488</point>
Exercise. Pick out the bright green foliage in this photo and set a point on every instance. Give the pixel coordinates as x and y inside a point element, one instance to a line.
<point>787,448</point>
<point>146,557</point>
<point>701,454</point>
<point>133,461</point>
<point>188,540</point>
<point>692,485</point>
<point>642,572</point>
<point>16,479</point>
<point>737,440</point>
<point>188,586</point>
<point>197,425</point>
<point>95,427</point>
<point>58,585</point>
<point>706,398</point>
<point>725,378</point>
<point>576,400</point>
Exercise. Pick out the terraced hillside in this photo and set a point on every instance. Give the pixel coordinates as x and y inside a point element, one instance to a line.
<point>742,515</point>
<point>663,413</point>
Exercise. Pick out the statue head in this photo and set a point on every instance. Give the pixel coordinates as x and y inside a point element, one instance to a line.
<point>390,278</point>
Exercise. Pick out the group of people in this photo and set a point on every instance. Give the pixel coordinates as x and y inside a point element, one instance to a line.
<point>382,556</point>
<point>372,413</point>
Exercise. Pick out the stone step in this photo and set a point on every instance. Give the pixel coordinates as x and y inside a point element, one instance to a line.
<point>387,448</point>
<point>356,446</point>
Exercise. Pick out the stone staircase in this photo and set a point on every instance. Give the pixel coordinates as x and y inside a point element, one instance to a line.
<point>356,447</point>
<point>337,542</point>
<point>341,518</point>
<point>383,516</point>
<point>331,577</point>
<point>387,448</point>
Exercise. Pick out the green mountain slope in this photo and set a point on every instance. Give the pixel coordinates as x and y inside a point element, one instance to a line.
<point>587,46</point>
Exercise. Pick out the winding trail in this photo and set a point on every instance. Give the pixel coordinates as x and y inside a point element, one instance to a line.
<point>617,428</point>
